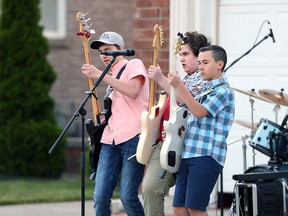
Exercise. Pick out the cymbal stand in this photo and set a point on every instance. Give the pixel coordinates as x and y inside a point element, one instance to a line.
<point>252,126</point>
<point>244,147</point>
<point>276,110</point>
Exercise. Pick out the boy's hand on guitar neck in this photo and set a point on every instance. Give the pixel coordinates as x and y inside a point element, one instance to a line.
<point>91,71</point>
<point>155,73</point>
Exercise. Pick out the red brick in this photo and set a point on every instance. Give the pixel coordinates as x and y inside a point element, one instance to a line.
<point>147,12</point>
<point>165,12</point>
<point>145,23</point>
<point>144,3</point>
<point>145,34</point>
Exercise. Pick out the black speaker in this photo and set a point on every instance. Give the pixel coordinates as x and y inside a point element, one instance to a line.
<point>261,198</point>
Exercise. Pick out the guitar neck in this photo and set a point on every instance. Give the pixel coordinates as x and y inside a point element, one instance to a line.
<point>173,92</point>
<point>95,105</point>
<point>153,85</point>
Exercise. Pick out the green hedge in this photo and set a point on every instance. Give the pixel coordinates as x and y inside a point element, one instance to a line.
<point>28,127</point>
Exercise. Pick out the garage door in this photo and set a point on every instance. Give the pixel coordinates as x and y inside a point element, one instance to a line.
<point>244,28</point>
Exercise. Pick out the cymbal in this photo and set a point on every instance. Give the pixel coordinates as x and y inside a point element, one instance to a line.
<point>246,124</point>
<point>277,97</point>
<point>252,94</point>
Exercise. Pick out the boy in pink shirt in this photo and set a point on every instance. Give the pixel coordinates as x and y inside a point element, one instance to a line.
<point>120,137</point>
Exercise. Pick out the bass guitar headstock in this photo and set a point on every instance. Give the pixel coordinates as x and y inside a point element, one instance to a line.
<point>85,34</point>
<point>180,40</point>
<point>84,29</point>
<point>158,37</point>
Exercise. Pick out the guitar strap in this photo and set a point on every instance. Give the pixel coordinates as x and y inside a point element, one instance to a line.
<point>110,88</point>
<point>208,91</point>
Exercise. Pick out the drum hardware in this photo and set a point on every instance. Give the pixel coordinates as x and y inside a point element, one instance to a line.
<point>252,94</point>
<point>252,123</point>
<point>274,148</point>
<point>276,110</point>
<point>244,147</point>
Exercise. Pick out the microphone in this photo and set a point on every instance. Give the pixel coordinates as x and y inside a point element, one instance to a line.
<point>271,32</point>
<point>115,53</point>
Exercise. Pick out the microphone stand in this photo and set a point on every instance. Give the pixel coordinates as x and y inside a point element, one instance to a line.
<point>80,110</point>
<point>236,60</point>
<point>246,53</point>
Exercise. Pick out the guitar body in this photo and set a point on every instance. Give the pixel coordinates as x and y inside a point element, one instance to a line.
<point>172,148</point>
<point>176,128</point>
<point>95,134</point>
<point>150,131</point>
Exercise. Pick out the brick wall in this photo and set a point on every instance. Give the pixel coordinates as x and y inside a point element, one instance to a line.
<point>146,15</point>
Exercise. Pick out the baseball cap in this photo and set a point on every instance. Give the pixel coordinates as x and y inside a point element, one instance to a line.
<point>108,38</point>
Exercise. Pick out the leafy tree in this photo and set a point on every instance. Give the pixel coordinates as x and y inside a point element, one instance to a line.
<point>28,126</point>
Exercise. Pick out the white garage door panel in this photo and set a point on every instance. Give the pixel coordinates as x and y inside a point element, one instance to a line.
<point>265,67</point>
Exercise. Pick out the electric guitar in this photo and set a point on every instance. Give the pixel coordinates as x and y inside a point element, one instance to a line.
<point>175,128</point>
<point>94,131</point>
<point>150,120</point>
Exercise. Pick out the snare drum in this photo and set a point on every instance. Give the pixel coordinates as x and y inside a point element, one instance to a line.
<point>261,140</point>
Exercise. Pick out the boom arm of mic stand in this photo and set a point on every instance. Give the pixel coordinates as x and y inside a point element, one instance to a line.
<point>81,109</point>
<point>246,53</point>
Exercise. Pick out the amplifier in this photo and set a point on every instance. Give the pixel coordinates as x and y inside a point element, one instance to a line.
<point>261,198</point>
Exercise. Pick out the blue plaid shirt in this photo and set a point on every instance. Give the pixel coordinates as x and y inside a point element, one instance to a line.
<point>207,135</point>
<point>194,83</point>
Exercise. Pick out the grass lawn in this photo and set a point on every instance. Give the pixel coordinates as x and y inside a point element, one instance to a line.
<point>19,191</point>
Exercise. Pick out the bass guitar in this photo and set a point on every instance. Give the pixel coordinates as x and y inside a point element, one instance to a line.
<point>175,128</point>
<point>94,131</point>
<point>150,120</point>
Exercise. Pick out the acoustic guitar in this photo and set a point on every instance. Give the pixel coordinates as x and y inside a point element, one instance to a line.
<point>175,128</point>
<point>150,120</point>
<point>94,130</point>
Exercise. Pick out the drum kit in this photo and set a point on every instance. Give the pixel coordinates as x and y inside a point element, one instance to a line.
<point>258,184</point>
<point>268,137</point>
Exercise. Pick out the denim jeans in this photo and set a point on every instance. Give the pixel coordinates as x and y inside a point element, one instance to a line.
<point>113,162</point>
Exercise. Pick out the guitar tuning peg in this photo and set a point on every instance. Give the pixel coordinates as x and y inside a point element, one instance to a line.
<point>88,34</point>
<point>88,19</point>
<point>92,31</point>
<point>85,14</point>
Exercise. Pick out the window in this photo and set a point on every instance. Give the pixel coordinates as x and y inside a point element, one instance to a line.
<point>53,18</point>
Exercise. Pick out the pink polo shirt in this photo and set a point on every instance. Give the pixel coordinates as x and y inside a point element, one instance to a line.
<point>125,121</point>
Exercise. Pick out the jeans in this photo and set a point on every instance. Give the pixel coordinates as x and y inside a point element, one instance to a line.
<point>113,162</point>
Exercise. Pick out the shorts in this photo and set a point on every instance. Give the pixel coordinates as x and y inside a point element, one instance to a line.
<point>195,182</point>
